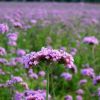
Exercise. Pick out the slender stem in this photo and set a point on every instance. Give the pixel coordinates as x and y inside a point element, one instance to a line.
<point>93,50</point>
<point>93,53</point>
<point>47,86</point>
<point>12,91</point>
<point>53,88</point>
<point>99,98</point>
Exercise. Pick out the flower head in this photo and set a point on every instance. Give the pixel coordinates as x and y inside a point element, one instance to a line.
<point>68,97</point>
<point>21,52</point>
<point>50,55</point>
<point>91,40</point>
<point>96,80</point>
<point>79,97</point>
<point>2,51</point>
<point>3,28</point>
<point>12,36</point>
<point>66,76</point>
<point>88,72</point>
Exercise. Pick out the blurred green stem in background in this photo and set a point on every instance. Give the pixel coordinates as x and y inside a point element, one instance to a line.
<point>47,86</point>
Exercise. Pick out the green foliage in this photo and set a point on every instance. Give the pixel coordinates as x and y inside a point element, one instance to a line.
<point>55,35</point>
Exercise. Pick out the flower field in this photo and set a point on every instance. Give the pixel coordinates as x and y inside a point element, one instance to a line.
<point>49,51</point>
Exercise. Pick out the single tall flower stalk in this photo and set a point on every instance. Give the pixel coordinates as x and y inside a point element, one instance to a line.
<point>47,86</point>
<point>50,56</point>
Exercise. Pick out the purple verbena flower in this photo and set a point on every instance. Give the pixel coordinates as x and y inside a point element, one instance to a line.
<point>96,80</point>
<point>3,61</point>
<point>21,52</point>
<point>68,97</point>
<point>12,36</point>
<point>88,72</point>
<point>42,73</point>
<point>3,28</point>
<point>98,93</point>
<point>83,81</point>
<point>91,40</point>
<point>18,96</point>
<point>2,51</point>
<point>79,97</point>
<point>50,55</point>
<point>66,76</point>
<point>14,80</point>
<point>33,75</point>
<point>80,92</point>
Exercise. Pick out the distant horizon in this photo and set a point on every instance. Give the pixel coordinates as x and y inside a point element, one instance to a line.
<point>54,1</point>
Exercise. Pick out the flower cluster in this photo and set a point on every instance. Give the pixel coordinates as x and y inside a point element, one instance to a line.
<point>66,76</point>
<point>68,97</point>
<point>96,80</point>
<point>2,51</point>
<point>48,54</point>
<point>88,72</point>
<point>73,51</point>
<point>3,61</point>
<point>79,97</point>
<point>80,92</point>
<point>3,28</point>
<point>83,81</point>
<point>32,74</point>
<point>2,72</point>
<point>14,61</point>
<point>91,40</point>
<point>13,80</point>
<point>17,25</point>
<point>20,52</point>
<point>42,73</point>
<point>99,91</point>
<point>32,95</point>
<point>12,37</point>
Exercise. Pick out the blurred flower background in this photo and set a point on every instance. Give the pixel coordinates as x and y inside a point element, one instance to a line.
<point>49,51</point>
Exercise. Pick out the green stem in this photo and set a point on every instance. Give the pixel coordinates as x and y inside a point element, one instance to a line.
<point>93,54</point>
<point>47,86</point>
<point>12,91</point>
<point>53,88</point>
<point>99,98</point>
